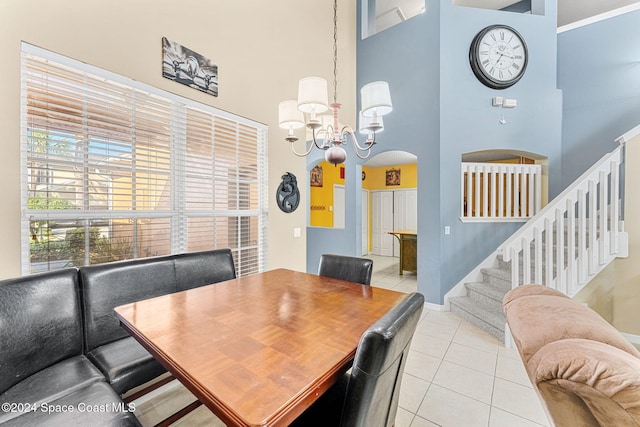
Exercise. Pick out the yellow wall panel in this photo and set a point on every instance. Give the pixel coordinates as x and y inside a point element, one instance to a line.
<point>376,178</point>
<point>321,198</point>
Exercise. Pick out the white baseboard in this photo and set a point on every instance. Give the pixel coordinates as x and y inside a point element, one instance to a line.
<point>435,307</point>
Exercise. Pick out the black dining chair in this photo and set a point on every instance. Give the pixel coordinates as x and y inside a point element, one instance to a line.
<point>349,268</point>
<point>368,394</point>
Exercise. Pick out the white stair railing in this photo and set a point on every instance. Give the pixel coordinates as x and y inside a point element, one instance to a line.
<point>500,191</point>
<point>576,235</point>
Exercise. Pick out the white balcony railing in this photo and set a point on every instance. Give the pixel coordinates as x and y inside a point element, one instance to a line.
<point>576,235</point>
<point>500,191</point>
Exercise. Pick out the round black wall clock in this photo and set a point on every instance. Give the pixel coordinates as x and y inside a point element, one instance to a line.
<point>288,194</point>
<point>498,56</point>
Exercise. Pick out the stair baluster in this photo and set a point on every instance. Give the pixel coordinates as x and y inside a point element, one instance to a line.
<point>563,246</point>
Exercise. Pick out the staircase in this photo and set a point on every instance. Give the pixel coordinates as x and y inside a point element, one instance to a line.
<point>482,304</point>
<point>584,226</point>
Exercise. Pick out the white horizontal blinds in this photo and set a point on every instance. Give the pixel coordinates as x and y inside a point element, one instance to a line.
<point>151,154</point>
<point>201,233</point>
<point>249,192</point>
<point>108,144</point>
<point>225,170</point>
<point>236,168</point>
<point>151,237</point>
<point>54,141</point>
<point>101,150</point>
<point>222,191</point>
<point>199,155</point>
<point>199,182</point>
<point>115,170</point>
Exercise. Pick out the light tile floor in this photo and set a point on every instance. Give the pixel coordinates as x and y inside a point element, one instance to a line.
<point>456,375</point>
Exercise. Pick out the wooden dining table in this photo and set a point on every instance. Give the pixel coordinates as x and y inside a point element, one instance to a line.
<point>258,350</point>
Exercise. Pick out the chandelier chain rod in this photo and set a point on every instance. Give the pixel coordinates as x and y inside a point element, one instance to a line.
<point>335,51</point>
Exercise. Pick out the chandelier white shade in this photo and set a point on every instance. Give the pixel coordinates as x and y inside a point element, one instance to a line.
<point>290,118</point>
<point>312,95</point>
<point>327,133</point>
<point>376,99</point>
<point>289,114</point>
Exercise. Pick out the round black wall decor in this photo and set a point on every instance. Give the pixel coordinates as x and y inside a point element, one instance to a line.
<point>288,195</point>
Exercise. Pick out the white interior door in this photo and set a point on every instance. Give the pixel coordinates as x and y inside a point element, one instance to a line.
<point>405,213</point>
<point>338,206</point>
<point>365,222</point>
<point>376,242</point>
<point>399,214</point>
<point>382,222</point>
<point>412,209</point>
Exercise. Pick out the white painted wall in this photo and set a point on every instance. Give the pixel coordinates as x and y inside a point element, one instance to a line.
<point>261,48</point>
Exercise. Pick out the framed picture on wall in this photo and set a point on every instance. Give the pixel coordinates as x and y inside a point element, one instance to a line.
<point>315,176</point>
<point>392,177</point>
<point>185,66</point>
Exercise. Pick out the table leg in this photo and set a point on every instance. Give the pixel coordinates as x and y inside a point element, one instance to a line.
<point>401,272</point>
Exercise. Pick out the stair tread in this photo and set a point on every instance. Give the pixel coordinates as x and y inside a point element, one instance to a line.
<point>498,272</point>
<point>481,311</point>
<point>487,290</point>
<point>497,277</point>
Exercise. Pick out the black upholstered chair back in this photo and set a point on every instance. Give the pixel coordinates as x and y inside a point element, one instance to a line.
<point>373,388</point>
<point>196,269</point>
<point>353,269</point>
<point>40,322</point>
<point>106,286</point>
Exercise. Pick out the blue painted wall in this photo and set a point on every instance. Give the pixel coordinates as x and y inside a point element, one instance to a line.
<point>441,111</point>
<point>469,123</point>
<point>599,74</point>
<point>407,56</point>
<point>416,119</point>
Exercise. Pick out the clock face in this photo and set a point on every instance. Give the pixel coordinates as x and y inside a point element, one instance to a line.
<point>498,56</point>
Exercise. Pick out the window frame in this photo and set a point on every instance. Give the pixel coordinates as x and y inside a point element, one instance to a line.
<point>247,206</point>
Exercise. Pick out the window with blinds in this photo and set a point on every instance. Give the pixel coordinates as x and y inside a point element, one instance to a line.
<point>113,169</point>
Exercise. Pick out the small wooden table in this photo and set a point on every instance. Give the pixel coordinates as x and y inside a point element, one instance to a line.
<point>408,240</point>
<point>260,349</point>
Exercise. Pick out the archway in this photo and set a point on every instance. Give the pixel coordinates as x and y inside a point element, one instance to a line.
<point>390,181</point>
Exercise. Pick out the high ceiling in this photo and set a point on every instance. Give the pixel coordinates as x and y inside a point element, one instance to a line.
<point>390,12</point>
<point>570,11</point>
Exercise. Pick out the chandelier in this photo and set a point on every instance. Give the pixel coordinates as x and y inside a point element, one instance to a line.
<point>325,129</point>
